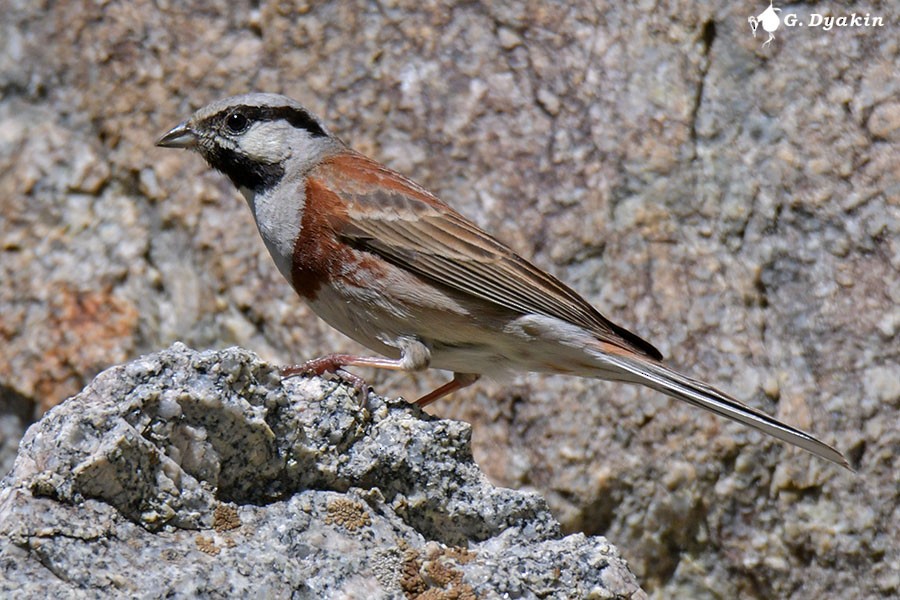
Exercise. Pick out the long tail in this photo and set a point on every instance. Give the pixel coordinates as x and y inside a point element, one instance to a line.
<point>660,378</point>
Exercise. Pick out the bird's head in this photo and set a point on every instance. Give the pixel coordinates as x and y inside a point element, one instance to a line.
<point>254,139</point>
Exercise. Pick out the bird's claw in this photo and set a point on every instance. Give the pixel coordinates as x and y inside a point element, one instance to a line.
<point>359,384</point>
<point>333,363</point>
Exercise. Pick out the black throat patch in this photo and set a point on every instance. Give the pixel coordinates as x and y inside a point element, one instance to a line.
<point>243,171</point>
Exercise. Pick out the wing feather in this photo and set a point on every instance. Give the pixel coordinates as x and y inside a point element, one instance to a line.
<point>404,224</point>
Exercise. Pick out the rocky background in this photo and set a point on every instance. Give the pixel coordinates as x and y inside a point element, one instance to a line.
<point>736,205</point>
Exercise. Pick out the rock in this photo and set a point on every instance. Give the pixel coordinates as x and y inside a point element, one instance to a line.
<point>203,473</point>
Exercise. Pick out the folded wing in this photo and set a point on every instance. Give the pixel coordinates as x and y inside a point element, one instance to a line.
<point>404,224</point>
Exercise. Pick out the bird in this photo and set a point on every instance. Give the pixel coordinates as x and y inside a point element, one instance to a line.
<point>384,261</point>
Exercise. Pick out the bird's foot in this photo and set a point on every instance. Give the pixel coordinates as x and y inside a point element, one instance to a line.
<point>332,363</point>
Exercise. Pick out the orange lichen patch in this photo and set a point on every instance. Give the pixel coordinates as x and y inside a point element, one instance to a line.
<point>225,518</point>
<point>463,592</point>
<point>229,543</point>
<point>459,554</point>
<point>411,581</point>
<point>347,513</point>
<point>207,545</point>
<point>83,333</point>
<point>435,577</point>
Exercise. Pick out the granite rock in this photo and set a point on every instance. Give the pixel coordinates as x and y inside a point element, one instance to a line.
<point>186,473</point>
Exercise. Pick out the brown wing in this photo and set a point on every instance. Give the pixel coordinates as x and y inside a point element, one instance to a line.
<point>398,220</point>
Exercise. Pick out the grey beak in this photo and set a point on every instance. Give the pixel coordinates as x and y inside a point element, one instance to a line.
<point>180,136</point>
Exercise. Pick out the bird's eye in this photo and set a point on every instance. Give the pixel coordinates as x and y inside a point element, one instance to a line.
<point>236,122</point>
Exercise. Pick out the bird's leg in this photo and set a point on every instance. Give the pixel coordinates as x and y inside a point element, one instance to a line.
<point>335,363</point>
<point>459,381</point>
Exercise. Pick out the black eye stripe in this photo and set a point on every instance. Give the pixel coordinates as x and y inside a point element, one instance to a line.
<point>297,117</point>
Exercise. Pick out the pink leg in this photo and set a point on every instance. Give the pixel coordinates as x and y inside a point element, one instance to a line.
<point>335,363</point>
<point>459,381</point>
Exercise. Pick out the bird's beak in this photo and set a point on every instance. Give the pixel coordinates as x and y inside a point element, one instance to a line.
<point>180,136</point>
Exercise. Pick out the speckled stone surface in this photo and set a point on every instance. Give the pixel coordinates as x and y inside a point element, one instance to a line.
<point>186,473</point>
<point>735,205</point>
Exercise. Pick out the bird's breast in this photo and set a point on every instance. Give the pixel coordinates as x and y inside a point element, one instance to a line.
<point>278,217</point>
<point>318,256</point>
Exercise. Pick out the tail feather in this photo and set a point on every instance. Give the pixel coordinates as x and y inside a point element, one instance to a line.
<point>702,395</point>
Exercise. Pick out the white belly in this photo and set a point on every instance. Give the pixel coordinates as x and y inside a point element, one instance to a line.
<point>460,334</point>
